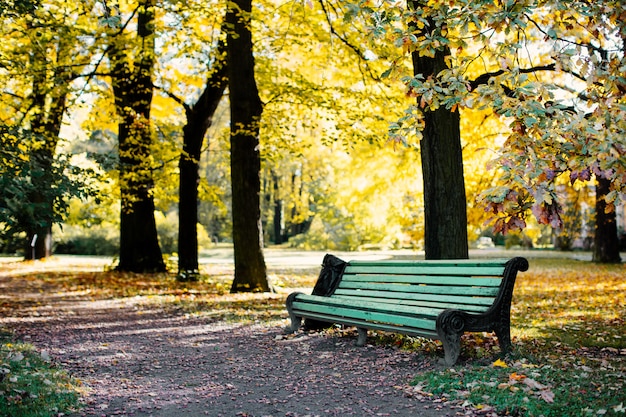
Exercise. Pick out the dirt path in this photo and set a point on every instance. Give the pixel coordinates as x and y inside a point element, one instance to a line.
<point>135,360</point>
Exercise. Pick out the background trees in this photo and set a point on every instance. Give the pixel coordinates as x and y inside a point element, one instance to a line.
<point>38,63</point>
<point>535,88</point>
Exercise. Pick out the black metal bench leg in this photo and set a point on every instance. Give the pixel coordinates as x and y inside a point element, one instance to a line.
<point>451,347</point>
<point>450,327</point>
<point>362,336</point>
<point>296,321</point>
<point>503,332</point>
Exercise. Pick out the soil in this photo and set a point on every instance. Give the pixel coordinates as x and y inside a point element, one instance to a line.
<point>135,359</point>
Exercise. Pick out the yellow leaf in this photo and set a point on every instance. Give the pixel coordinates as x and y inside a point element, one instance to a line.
<point>500,363</point>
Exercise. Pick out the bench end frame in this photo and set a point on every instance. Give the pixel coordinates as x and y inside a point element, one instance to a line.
<point>296,321</point>
<point>451,323</point>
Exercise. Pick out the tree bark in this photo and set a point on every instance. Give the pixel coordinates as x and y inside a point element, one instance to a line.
<point>132,87</point>
<point>199,119</point>
<point>245,161</point>
<point>278,210</point>
<point>605,241</point>
<point>445,206</point>
<point>38,244</point>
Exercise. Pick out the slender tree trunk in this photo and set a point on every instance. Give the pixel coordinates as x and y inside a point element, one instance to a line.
<point>445,204</point>
<point>278,209</point>
<point>199,119</point>
<point>132,87</point>
<point>605,241</point>
<point>38,243</point>
<point>245,161</point>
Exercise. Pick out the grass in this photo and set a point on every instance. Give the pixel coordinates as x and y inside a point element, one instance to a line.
<point>522,388</point>
<point>31,385</point>
<point>568,329</point>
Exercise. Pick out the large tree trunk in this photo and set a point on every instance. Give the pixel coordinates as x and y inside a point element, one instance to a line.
<point>199,119</point>
<point>132,86</point>
<point>605,241</point>
<point>245,161</point>
<point>445,207</point>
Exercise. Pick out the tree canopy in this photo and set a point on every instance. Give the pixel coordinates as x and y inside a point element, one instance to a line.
<point>537,86</point>
<point>552,71</point>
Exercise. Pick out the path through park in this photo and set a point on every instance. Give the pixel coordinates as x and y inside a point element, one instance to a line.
<point>135,359</point>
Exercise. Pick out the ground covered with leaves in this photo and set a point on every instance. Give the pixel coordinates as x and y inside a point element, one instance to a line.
<point>140,345</point>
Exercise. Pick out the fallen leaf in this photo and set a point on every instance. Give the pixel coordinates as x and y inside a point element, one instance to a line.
<point>517,377</point>
<point>547,396</point>
<point>534,384</point>
<point>500,363</point>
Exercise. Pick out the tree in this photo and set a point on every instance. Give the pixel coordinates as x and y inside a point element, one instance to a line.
<point>245,112</point>
<point>586,128</point>
<point>199,119</point>
<point>194,72</point>
<point>445,213</point>
<point>605,241</point>
<point>41,61</point>
<point>19,7</point>
<point>132,62</point>
<point>538,66</point>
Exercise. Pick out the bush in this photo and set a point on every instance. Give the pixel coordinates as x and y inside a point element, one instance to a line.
<point>167,227</point>
<point>13,244</point>
<point>102,240</point>
<point>338,232</point>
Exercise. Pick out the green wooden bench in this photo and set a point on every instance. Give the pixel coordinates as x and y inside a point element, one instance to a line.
<point>433,299</point>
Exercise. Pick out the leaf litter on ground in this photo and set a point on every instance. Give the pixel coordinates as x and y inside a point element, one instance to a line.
<point>567,325</point>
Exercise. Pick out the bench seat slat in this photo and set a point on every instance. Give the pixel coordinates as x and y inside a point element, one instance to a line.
<point>420,311</point>
<point>367,316</point>
<point>425,280</point>
<point>465,263</point>
<point>426,270</point>
<point>421,303</point>
<point>370,325</point>
<point>422,289</point>
<point>483,301</point>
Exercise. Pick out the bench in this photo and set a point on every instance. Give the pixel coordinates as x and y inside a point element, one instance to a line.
<point>433,299</point>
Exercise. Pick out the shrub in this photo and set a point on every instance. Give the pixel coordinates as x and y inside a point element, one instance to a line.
<point>101,239</point>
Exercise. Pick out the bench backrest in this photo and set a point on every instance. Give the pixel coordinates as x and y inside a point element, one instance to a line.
<point>468,285</point>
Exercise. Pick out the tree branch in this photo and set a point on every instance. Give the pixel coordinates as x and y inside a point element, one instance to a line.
<point>350,46</point>
<point>484,78</point>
